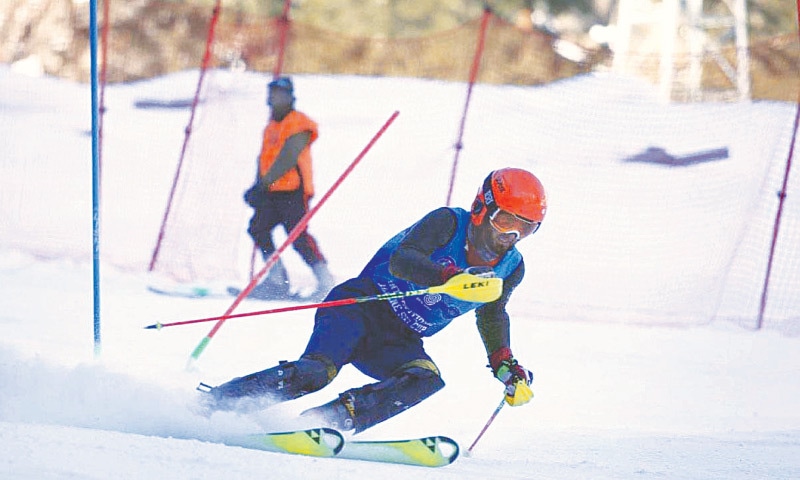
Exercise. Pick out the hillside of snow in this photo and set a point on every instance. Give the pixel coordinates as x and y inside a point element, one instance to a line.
<point>614,399</point>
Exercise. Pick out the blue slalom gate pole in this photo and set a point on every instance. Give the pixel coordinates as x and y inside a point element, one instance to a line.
<point>95,176</point>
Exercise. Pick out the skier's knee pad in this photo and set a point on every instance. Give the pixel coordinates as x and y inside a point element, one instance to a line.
<point>374,403</point>
<point>422,364</point>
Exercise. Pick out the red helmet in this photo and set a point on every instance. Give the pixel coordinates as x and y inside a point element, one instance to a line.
<point>513,190</point>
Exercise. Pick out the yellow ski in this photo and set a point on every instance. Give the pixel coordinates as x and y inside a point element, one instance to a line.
<point>326,442</point>
<point>422,452</point>
<point>315,442</point>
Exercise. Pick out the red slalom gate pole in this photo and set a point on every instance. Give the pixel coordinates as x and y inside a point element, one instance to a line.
<point>283,30</point>
<point>473,76</point>
<point>187,131</point>
<point>296,231</point>
<point>781,200</point>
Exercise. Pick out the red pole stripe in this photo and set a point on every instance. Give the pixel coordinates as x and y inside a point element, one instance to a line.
<point>187,131</point>
<point>473,75</point>
<point>782,199</point>
<point>283,24</point>
<point>283,28</point>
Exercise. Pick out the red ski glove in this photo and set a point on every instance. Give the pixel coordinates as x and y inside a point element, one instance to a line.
<point>514,376</point>
<point>449,272</point>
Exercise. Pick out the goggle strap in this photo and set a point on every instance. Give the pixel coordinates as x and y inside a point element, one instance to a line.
<point>488,195</point>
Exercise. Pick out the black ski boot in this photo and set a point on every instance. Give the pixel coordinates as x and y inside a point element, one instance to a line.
<point>364,407</point>
<point>287,381</point>
<point>337,414</point>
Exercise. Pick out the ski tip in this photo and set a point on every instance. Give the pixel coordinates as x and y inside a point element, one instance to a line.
<point>449,448</point>
<point>233,291</point>
<point>204,387</point>
<point>437,451</point>
<point>335,438</point>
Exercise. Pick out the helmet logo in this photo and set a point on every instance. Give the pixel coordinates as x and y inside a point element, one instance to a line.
<point>489,196</point>
<point>501,187</point>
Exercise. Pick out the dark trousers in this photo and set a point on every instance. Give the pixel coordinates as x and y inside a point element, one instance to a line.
<point>369,335</point>
<point>287,209</point>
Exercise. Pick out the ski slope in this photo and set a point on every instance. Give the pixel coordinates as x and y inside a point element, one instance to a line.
<point>613,399</point>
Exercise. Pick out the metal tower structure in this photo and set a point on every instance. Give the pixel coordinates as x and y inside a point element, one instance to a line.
<point>686,35</point>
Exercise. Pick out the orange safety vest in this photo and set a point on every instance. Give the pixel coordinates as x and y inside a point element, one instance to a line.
<point>275,135</point>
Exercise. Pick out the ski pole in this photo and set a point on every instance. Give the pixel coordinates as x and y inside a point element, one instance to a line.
<point>296,231</point>
<point>485,427</point>
<point>463,286</point>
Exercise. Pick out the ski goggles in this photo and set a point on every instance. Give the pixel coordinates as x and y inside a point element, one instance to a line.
<point>508,223</point>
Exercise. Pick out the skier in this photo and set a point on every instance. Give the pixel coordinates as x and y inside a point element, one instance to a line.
<point>383,339</point>
<point>282,190</point>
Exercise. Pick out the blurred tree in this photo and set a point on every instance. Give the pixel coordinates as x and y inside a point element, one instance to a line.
<point>403,18</point>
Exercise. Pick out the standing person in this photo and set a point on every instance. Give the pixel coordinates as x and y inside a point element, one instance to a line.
<point>283,188</point>
<point>383,339</point>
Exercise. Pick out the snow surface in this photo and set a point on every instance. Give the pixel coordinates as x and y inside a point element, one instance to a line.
<point>612,400</point>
